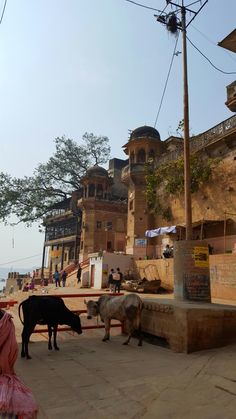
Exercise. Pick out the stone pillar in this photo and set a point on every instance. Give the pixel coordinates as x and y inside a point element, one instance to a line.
<point>191,271</point>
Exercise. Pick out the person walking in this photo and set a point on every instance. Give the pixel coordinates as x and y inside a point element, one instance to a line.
<point>118,280</point>
<point>79,274</point>
<point>63,277</point>
<point>56,277</point>
<point>111,280</point>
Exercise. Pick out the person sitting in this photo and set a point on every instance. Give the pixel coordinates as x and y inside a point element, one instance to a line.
<point>168,252</point>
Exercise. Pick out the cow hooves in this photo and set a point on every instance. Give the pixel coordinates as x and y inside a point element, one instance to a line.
<point>56,348</point>
<point>22,355</point>
<point>105,339</point>
<point>140,344</point>
<point>125,343</point>
<point>50,348</point>
<point>28,357</point>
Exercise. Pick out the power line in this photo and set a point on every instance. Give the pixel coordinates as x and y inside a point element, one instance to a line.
<point>19,260</point>
<point>3,11</point>
<point>213,65</point>
<point>212,42</point>
<point>167,79</point>
<point>144,6</point>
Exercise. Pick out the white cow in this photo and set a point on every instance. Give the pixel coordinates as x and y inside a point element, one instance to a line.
<point>126,308</point>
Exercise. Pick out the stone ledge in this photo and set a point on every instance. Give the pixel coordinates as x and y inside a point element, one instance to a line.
<point>190,326</point>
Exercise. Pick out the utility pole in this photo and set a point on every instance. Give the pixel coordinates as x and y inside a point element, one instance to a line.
<point>187,174</point>
<point>173,25</point>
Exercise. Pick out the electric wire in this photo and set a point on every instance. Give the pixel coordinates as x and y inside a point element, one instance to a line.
<point>213,65</point>
<point>19,260</point>
<point>194,2</point>
<point>3,11</point>
<point>144,6</point>
<point>212,42</point>
<point>167,79</point>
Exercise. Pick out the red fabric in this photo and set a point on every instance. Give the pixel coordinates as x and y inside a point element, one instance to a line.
<point>15,397</point>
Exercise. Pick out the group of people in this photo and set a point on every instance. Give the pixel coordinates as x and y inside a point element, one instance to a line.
<point>57,278</point>
<point>115,280</point>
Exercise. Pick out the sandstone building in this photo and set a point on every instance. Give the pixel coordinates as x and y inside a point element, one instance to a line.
<point>111,213</point>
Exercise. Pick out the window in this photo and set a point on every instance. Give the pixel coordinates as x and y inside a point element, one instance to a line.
<point>109,225</point>
<point>81,244</point>
<point>99,191</point>
<point>109,246</point>
<point>141,157</point>
<point>91,190</point>
<point>99,224</point>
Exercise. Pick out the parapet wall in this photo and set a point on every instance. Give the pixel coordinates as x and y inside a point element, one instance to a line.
<point>222,274</point>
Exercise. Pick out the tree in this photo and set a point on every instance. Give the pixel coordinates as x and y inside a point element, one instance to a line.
<point>30,198</point>
<point>168,179</point>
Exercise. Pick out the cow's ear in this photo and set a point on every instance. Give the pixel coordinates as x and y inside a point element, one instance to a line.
<point>85,302</point>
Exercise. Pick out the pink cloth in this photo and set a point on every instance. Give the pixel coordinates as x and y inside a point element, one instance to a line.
<point>15,397</point>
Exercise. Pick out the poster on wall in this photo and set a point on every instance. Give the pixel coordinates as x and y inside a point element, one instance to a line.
<point>201,256</point>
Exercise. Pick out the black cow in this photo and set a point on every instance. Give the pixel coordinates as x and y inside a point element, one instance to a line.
<point>50,310</point>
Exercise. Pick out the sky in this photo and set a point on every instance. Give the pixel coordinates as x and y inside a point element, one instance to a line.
<point>70,66</point>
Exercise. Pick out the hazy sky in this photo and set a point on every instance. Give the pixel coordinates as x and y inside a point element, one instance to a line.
<point>71,66</point>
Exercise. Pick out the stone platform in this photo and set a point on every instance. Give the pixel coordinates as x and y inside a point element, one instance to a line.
<point>190,326</point>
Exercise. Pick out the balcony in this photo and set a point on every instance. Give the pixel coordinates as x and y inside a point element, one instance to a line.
<point>231,97</point>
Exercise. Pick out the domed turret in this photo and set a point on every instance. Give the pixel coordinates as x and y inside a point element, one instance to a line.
<point>95,171</point>
<point>144,132</point>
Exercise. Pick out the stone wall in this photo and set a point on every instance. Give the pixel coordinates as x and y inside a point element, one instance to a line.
<point>222,274</point>
<point>156,269</point>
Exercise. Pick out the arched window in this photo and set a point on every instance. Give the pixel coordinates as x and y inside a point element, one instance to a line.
<point>151,154</point>
<point>91,190</point>
<point>141,157</point>
<point>99,191</point>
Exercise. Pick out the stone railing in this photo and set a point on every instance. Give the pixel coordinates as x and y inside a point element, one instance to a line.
<point>213,134</point>
<point>202,140</point>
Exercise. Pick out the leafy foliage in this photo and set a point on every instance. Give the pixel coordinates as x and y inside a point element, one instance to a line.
<point>29,198</point>
<point>169,177</point>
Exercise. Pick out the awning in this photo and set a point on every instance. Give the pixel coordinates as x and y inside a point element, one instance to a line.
<point>160,230</point>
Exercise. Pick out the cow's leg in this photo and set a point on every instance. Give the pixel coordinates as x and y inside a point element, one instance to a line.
<point>49,337</point>
<point>55,337</point>
<point>27,331</point>
<point>107,329</point>
<point>131,329</point>
<point>140,336</point>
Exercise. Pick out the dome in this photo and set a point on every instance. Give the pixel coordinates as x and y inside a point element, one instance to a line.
<point>96,171</point>
<point>143,132</point>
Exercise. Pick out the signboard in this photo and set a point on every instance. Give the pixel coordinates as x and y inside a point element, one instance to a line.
<point>140,242</point>
<point>201,256</point>
<point>56,253</point>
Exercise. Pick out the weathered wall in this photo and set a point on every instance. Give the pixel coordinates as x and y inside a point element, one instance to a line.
<point>216,197</point>
<point>156,269</point>
<point>222,274</point>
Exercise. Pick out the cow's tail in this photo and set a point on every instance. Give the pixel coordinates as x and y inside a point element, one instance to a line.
<point>19,313</point>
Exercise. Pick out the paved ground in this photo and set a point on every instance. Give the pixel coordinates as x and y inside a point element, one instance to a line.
<point>91,379</point>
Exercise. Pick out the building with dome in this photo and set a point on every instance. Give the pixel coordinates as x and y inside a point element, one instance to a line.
<point>103,205</point>
<point>110,213</point>
<point>93,220</point>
